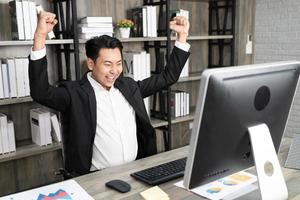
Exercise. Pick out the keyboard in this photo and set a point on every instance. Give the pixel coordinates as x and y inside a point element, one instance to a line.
<point>161,173</point>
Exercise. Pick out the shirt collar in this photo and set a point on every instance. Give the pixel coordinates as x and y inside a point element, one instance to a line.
<point>96,85</point>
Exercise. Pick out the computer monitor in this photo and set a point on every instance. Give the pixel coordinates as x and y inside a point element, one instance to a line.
<point>230,101</point>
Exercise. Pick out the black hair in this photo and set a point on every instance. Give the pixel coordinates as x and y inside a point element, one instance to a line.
<point>93,45</point>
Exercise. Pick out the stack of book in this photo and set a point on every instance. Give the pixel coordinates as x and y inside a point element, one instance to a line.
<point>145,21</point>
<point>14,78</point>
<point>179,103</point>
<point>23,19</point>
<point>137,66</point>
<point>40,126</point>
<point>44,127</point>
<point>7,135</point>
<point>55,128</point>
<point>95,26</point>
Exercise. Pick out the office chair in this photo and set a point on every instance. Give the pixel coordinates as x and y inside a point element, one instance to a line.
<point>64,128</point>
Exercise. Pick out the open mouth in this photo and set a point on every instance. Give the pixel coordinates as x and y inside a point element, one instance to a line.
<point>110,78</point>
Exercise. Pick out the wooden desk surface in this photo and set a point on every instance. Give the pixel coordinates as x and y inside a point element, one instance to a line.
<point>94,183</point>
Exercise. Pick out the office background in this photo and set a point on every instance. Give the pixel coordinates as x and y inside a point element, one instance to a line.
<point>272,24</point>
<point>277,37</point>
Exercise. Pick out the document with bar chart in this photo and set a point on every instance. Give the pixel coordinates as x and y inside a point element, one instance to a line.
<point>66,190</point>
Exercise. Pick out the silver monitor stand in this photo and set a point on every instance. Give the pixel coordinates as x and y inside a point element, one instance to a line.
<point>270,179</point>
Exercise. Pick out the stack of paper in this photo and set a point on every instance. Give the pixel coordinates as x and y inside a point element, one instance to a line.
<point>154,193</point>
<point>95,26</point>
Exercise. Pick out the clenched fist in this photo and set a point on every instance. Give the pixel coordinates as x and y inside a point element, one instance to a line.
<point>46,22</point>
<point>181,26</point>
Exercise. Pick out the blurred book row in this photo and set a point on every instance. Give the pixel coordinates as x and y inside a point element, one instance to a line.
<point>7,135</point>
<point>44,127</point>
<point>14,79</point>
<point>147,21</point>
<point>179,103</point>
<point>137,66</point>
<point>23,19</point>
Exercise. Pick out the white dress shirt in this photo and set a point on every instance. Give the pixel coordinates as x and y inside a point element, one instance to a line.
<point>115,139</point>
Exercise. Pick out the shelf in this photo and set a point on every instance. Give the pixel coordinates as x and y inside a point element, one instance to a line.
<point>150,39</point>
<point>186,118</point>
<point>202,0</point>
<point>15,100</point>
<point>30,42</point>
<point>29,150</point>
<point>158,122</point>
<point>191,77</point>
<point>132,39</point>
<point>210,37</point>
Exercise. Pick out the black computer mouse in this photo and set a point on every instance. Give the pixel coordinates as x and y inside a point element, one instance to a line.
<point>119,185</point>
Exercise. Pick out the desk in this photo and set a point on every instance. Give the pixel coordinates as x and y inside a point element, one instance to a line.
<point>94,183</point>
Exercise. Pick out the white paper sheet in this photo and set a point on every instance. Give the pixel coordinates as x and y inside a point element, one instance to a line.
<point>223,187</point>
<point>66,190</point>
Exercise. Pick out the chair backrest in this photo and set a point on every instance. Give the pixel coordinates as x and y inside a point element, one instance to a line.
<point>64,129</point>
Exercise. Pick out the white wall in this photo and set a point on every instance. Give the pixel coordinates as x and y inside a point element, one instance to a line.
<point>277,38</point>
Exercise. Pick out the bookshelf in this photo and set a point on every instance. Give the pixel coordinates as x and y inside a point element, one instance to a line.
<point>30,165</point>
<point>192,77</point>
<point>153,39</point>
<point>28,149</point>
<point>15,100</point>
<point>211,36</point>
<point>42,162</point>
<point>30,42</point>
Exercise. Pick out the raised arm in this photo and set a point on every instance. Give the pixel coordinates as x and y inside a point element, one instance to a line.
<point>176,62</point>
<point>40,90</point>
<point>46,22</point>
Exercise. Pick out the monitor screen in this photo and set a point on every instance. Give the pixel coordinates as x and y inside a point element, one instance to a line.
<point>231,100</point>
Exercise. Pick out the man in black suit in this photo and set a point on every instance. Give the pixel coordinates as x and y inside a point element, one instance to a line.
<point>107,121</point>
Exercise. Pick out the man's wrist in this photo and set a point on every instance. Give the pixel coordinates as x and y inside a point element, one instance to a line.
<point>39,41</point>
<point>181,37</point>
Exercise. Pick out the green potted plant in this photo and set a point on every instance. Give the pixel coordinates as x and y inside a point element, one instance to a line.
<point>124,26</point>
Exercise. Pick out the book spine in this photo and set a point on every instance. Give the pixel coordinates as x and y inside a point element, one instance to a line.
<point>11,136</point>
<point>17,25</point>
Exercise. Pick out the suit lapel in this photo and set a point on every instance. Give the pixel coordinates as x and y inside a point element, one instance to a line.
<point>130,96</point>
<point>127,93</point>
<point>85,84</point>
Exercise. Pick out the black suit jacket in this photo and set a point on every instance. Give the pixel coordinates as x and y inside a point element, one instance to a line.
<point>77,103</point>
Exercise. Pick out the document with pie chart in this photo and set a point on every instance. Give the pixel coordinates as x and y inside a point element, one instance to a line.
<point>66,190</point>
<point>225,186</point>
